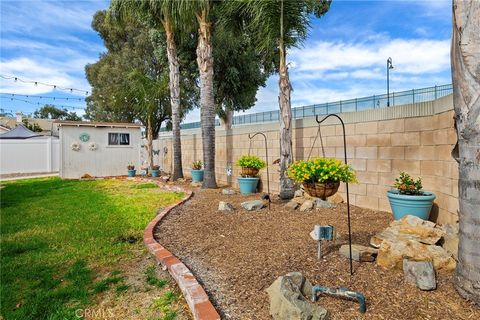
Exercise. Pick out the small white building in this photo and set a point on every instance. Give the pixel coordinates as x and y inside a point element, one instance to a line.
<point>98,148</point>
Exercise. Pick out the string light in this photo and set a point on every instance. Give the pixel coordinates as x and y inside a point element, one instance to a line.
<point>38,103</point>
<point>42,97</point>
<point>54,86</point>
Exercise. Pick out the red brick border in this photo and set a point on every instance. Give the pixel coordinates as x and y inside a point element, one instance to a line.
<point>197,298</point>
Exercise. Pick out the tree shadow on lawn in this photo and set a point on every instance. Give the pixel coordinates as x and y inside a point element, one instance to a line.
<point>58,237</point>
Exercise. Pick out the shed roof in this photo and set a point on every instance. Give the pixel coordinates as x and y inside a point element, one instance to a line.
<point>19,132</point>
<point>63,123</point>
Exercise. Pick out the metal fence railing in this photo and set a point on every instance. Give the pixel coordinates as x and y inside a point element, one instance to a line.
<point>351,105</point>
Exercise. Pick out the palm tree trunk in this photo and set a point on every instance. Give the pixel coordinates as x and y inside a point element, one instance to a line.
<point>286,150</point>
<point>149,146</point>
<point>466,100</point>
<point>174,84</point>
<point>207,102</point>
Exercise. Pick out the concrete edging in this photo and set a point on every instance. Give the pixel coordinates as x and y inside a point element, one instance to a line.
<point>197,298</point>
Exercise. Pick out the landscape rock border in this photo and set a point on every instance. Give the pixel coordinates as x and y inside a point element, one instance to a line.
<point>196,297</point>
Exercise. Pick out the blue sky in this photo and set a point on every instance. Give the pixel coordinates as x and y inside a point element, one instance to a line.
<point>344,56</point>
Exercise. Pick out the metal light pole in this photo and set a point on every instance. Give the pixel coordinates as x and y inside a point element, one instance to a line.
<point>389,66</point>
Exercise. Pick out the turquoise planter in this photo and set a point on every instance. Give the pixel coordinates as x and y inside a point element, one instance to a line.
<point>155,173</point>
<point>131,173</point>
<point>248,185</point>
<point>403,205</point>
<point>197,175</point>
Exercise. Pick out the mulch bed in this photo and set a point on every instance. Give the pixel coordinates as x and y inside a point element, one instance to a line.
<point>236,256</point>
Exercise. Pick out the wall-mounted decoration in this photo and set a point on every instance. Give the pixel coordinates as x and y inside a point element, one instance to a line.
<point>92,146</point>
<point>75,146</point>
<point>84,137</point>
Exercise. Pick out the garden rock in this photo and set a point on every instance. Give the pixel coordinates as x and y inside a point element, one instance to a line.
<point>336,199</point>
<point>391,254</point>
<point>292,205</point>
<point>196,184</point>
<point>319,204</point>
<point>290,299</point>
<point>225,206</point>
<point>253,205</point>
<point>409,228</point>
<point>228,192</point>
<point>307,205</point>
<point>420,273</point>
<point>450,239</point>
<point>165,178</point>
<point>359,253</point>
<point>298,193</point>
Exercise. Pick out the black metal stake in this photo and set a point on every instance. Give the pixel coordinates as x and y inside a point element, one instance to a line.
<point>348,197</point>
<point>266,158</point>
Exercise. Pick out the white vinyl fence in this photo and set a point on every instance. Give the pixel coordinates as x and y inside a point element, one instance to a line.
<point>29,155</point>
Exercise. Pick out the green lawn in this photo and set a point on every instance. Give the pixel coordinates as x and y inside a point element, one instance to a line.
<point>62,240</point>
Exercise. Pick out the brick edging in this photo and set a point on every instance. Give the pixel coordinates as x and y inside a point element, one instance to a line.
<point>197,298</point>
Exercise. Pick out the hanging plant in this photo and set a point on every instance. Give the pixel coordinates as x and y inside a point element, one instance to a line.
<point>92,146</point>
<point>75,146</point>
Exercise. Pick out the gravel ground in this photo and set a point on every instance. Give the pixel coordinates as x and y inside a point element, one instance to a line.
<point>236,256</point>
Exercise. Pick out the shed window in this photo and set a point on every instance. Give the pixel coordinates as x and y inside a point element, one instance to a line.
<point>118,139</point>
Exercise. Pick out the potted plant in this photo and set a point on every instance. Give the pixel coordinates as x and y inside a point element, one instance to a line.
<point>155,171</point>
<point>131,169</point>
<point>409,199</point>
<point>321,177</point>
<point>248,179</point>
<point>197,171</point>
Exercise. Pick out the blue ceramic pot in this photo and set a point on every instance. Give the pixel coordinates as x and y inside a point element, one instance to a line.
<point>197,175</point>
<point>155,173</point>
<point>131,173</point>
<point>248,185</point>
<point>418,205</point>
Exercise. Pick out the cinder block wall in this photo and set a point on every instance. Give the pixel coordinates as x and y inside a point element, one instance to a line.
<point>416,138</point>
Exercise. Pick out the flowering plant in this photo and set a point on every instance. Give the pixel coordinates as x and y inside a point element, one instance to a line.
<point>407,185</point>
<point>321,170</point>
<point>253,162</point>
<point>197,165</point>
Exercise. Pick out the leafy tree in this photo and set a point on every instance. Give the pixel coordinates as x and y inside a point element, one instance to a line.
<point>466,100</point>
<point>276,26</point>
<point>31,126</point>
<point>160,14</point>
<point>133,48</point>
<point>49,111</point>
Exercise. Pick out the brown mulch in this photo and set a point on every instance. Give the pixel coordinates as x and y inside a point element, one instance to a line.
<point>236,256</point>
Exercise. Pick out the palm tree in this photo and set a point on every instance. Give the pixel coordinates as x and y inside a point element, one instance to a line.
<point>465,57</point>
<point>277,26</point>
<point>200,11</point>
<point>162,13</point>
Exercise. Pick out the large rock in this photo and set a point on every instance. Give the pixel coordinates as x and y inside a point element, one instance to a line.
<point>290,297</point>
<point>420,273</point>
<point>225,206</point>
<point>391,254</point>
<point>409,228</point>
<point>253,205</point>
<point>298,193</point>
<point>292,205</point>
<point>307,205</point>
<point>336,199</point>
<point>359,253</point>
<point>322,204</point>
<point>196,184</point>
<point>228,192</point>
<point>450,239</point>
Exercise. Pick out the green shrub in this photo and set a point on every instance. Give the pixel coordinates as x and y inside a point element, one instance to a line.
<point>321,170</point>
<point>254,162</point>
<point>407,185</point>
<point>197,165</point>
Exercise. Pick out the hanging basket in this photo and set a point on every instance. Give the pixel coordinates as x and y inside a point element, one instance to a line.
<point>249,172</point>
<point>321,190</point>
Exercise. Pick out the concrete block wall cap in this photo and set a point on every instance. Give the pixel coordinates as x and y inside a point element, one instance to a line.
<point>196,297</point>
